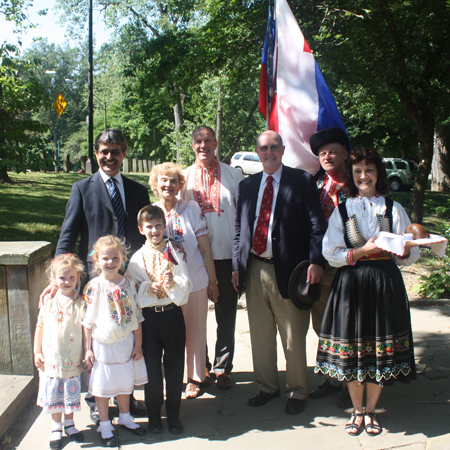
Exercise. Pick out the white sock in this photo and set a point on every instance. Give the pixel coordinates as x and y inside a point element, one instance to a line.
<point>56,430</point>
<point>127,420</point>
<point>69,427</point>
<point>106,429</point>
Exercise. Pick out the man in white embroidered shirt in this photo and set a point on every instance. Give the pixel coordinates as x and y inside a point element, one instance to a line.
<point>214,186</point>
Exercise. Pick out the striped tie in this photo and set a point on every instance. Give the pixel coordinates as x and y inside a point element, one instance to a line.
<point>119,210</point>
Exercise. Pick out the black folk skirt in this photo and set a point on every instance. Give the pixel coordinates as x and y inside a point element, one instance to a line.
<point>366,329</point>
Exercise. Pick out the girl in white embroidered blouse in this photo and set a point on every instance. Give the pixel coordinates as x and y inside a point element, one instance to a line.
<point>113,337</point>
<point>58,348</point>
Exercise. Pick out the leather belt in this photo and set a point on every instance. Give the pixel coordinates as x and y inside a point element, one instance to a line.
<point>266,260</point>
<point>159,309</point>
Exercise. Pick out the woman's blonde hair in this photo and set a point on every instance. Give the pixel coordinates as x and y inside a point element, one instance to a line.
<point>167,168</point>
<point>62,262</point>
<point>105,242</point>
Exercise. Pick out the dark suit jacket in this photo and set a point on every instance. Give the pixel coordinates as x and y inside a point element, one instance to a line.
<point>90,215</point>
<point>298,225</point>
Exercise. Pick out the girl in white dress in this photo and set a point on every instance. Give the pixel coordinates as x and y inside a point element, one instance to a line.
<point>58,348</point>
<point>113,337</point>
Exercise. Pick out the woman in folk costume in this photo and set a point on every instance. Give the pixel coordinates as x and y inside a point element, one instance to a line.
<point>366,337</point>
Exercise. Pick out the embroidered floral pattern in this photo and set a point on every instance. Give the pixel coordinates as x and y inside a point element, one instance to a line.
<point>177,229</point>
<point>211,202</point>
<point>61,314</point>
<point>123,317</point>
<point>88,295</point>
<point>380,352</point>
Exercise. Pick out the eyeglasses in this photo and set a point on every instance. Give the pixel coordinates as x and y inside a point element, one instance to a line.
<point>273,148</point>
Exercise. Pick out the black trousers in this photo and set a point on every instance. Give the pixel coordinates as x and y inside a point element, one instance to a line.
<point>164,339</point>
<point>225,310</point>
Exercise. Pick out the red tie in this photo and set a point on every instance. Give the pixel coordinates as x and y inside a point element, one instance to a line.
<point>262,226</point>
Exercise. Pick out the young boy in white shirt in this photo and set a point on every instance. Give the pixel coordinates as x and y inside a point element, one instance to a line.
<point>164,287</point>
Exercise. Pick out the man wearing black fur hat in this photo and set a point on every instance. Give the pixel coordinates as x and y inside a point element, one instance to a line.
<point>331,146</point>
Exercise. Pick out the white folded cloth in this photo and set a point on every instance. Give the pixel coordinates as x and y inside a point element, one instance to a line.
<point>395,243</point>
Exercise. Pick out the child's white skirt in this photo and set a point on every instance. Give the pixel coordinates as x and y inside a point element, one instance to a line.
<point>114,372</point>
<point>59,395</point>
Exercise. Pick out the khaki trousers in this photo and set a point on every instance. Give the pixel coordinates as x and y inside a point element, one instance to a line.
<point>267,311</point>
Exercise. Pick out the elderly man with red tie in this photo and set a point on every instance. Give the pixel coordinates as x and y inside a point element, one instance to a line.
<point>279,224</point>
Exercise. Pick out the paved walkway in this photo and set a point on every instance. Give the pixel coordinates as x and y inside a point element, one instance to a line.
<point>415,416</point>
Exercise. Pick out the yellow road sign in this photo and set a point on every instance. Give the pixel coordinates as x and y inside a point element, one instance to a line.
<point>60,104</point>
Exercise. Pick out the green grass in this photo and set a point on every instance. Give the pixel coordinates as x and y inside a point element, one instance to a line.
<point>34,206</point>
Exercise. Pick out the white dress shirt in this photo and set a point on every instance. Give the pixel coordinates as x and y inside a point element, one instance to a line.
<point>276,185</point>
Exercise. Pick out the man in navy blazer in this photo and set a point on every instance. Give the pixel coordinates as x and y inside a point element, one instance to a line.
<point>90,214</point>
<point>295,233</point>
<point>89,211</point>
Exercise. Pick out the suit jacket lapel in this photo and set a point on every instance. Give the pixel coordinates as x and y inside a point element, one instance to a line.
<point>101,191</point>
<point>252,196</point>
<point>283,192</point>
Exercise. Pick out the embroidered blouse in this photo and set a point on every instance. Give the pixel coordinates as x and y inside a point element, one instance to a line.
<point>185,223</point>
<point>111,313</point>
<point>365,210</point>
<point>62,342</point>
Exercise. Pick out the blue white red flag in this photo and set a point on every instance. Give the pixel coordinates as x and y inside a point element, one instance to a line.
<point>294,96</point>
<point>170,255</point>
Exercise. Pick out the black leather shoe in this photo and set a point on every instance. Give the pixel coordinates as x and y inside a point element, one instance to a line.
<point>155,426</point>
<point>56,443</point>
<point>94,415</point>
<point>324,390</point>
<point>136,408</point>
<point>261,398</point>
<point>74,437</point>
<point>109,442</point>
<point>344,400</point>
<point>137,431</point>
<point>175,427</point>
<point>294,406</point>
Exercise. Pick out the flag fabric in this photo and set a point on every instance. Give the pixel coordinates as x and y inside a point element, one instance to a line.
<point>169,254</point>
<point>294,96</point>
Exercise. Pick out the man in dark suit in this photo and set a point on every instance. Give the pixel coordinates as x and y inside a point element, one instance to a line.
<point>91,213</point>
<point>279,223</point>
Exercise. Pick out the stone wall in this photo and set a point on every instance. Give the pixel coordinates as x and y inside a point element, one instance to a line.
<point>22,279</point>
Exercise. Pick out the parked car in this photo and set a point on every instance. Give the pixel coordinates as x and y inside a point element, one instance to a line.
<point>248,162</point>
<point>400,173</point>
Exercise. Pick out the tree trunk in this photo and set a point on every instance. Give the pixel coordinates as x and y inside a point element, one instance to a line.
<point>426,134</point>
<point>4,175</point>
<point>179,122</point>
<point>3,152</point>
<point>440,180</point>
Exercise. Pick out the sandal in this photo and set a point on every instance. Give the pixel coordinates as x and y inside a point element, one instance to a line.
<point>352,427</point>
<point>192,389</point>
<point>375,429</point>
